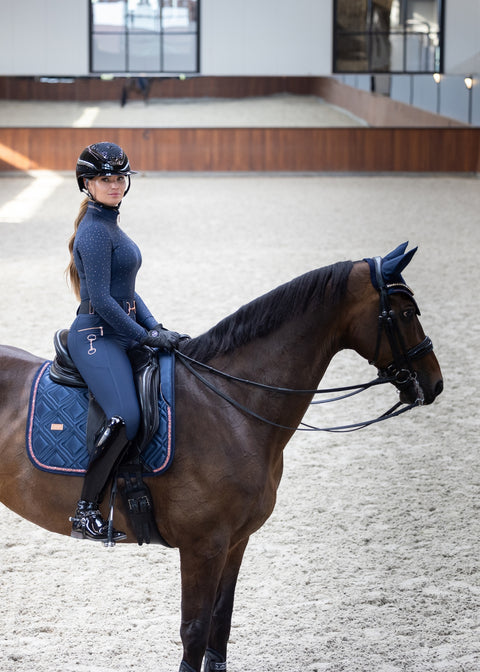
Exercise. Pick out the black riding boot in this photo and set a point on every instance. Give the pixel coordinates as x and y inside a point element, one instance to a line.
<point>110,446</point>
<point>88,523</point>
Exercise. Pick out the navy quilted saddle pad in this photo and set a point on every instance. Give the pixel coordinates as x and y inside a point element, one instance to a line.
<point>57,419</point>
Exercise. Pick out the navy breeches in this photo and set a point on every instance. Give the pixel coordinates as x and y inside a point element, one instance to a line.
<point>101,356</point>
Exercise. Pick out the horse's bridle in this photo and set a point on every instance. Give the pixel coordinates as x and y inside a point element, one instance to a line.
<point>400,370</point>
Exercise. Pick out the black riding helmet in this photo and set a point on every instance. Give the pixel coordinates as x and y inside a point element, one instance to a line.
<point>102,158</point>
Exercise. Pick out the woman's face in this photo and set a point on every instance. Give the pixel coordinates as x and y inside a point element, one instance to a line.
<point>107,189</point>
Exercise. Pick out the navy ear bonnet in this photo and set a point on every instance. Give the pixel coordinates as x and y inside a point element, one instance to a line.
<point>386,272</point>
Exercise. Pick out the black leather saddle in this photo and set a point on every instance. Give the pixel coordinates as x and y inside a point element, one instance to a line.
<point>146,373</point>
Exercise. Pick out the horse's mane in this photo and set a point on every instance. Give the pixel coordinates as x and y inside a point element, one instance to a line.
<point>268,312</point>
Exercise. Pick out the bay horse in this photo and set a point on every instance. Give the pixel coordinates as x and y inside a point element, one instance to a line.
<point>223,482</point>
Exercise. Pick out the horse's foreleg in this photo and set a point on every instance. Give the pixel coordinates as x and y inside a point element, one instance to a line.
<point>201,571</point>
<point>216,654</point>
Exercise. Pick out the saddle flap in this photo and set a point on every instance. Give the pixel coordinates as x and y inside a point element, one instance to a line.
<point>63,370</point>
<point>146,372</point>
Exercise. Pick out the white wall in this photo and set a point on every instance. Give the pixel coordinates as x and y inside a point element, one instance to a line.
<point>44,37</point>
<point>266,37</point>
<point>238,37</point>
<point>462,37</point>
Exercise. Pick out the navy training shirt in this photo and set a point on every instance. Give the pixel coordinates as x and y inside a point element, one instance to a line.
<point>107,262</point>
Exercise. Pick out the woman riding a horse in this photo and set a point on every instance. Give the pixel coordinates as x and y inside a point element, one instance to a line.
<point>111,319</point>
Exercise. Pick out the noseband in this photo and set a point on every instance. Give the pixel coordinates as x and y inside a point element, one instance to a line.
<point>400,369</point>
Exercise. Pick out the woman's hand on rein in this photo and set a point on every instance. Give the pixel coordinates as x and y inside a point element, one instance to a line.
<point>159,337</point>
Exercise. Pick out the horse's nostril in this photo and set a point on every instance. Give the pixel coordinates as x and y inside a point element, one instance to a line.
<point>438,388</point>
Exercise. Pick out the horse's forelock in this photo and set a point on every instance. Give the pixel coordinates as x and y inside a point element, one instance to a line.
<point>263,315</point>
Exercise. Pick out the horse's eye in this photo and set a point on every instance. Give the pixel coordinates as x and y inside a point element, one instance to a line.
<point>407,314</point>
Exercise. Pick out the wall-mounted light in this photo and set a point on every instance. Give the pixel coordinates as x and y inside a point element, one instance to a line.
<point>469,84</point>
<point>437,78</point>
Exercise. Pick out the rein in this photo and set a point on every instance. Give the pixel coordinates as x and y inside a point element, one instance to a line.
<point>303,427</point>
<point>400,371</point>
<point>286,390</point>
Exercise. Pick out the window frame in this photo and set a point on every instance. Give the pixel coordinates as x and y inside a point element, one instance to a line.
<point>125,33</point>
<point>401,31</point>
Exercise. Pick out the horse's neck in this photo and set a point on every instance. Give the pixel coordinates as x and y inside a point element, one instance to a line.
<point>294,356</point>
<point>298,354</point>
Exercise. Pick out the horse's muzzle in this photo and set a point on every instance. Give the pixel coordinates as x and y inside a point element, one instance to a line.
<point>413,392</point>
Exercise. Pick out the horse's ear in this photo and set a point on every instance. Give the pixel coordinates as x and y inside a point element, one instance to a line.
<point>391,265</point>
<point>394,262</point>
<point>397,252</point>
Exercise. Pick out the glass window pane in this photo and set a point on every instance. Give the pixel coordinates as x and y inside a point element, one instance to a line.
<point>351,53</point>
<point>108,52</point>
<point>426,12</point>
<point>381,15</point>
<point>351,15</point>
<point>397,43</point>
<point>380,49</point>
<point>179,16</point>
<point>420,53</point>
<point>143,15</point>
<point>179,53</point>
<point>144,53</point>
<point>108,15</point>
<point>396,18</point>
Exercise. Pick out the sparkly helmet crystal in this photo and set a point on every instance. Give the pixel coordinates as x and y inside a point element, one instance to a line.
<point>102,158</point>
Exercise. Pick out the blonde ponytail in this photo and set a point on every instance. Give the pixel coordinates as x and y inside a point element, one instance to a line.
<point>71,270</point>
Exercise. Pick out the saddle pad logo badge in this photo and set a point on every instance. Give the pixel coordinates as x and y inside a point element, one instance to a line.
<point>56,427</point>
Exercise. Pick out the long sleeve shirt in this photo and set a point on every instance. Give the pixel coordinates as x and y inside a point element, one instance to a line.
<point>107,261</point>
